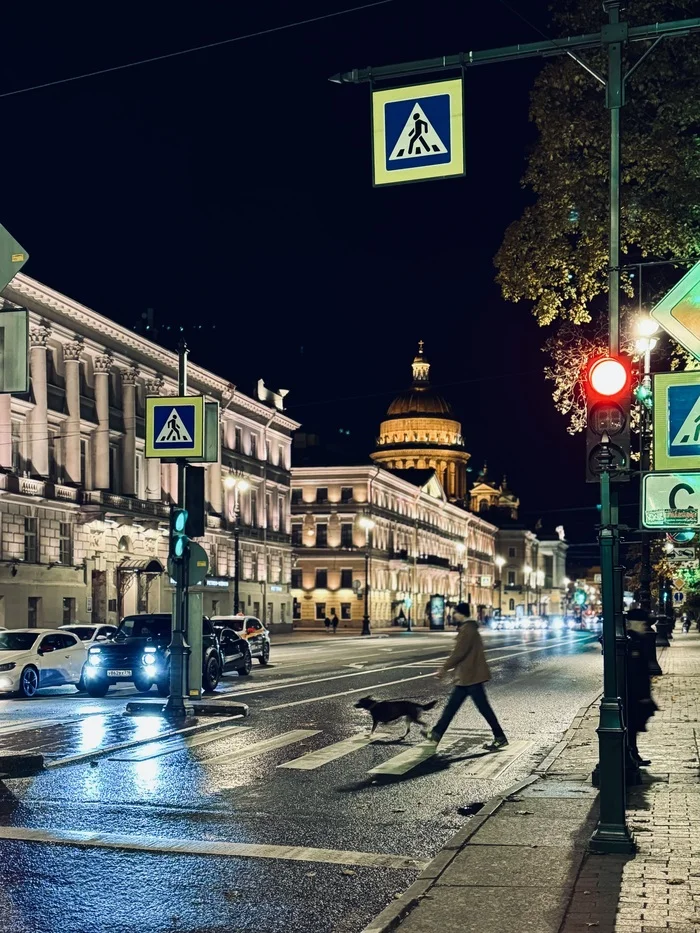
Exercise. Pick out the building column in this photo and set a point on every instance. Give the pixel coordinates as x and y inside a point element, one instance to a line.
<point>153,477</point>
<point>38,423</point>
<point>103,366</point>
<point>129,377</point>
<point>215,489</point>
<point>6,432</point>
<point>71,426</point>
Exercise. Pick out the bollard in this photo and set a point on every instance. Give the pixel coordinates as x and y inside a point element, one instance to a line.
<point>649,641</point>
<point>661,633</point>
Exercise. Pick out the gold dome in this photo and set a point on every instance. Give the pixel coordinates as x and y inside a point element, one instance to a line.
<point>420,399</point>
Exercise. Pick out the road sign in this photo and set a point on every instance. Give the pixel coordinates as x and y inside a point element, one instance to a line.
<point>174,427</point>
<point>198,564</point>
<point>678,312</point>
<point>670,500</point>
<point>681,554</point>
<point>677,420</point>
<point>418,133</point>
<point>679,583</point>
<point>679,598</point>
<point>12,257</point>
<point>14,351</point>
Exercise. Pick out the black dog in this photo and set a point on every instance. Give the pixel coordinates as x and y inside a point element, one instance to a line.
<point>390,710</point>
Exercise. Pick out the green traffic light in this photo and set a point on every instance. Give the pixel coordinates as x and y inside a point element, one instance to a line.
<point>179,547</point>
<point>180,521</point>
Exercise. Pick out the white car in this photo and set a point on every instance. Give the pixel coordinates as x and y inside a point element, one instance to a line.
<point>89,633</point>
<point>32,658</point>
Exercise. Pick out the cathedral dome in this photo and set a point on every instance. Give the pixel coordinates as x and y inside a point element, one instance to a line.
<point>421,398</point>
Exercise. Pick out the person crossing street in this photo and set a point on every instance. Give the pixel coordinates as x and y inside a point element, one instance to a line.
<point>468,662</point>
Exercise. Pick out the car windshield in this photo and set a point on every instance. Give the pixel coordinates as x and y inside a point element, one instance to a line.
<point>237,624</point>
<point>17,641</point>
<point>144,627</point>
<point>84,632</point>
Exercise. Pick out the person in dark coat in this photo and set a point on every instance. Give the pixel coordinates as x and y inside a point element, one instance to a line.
<point>327,623</point>
<point>334,620</point>
<point>640,703</point>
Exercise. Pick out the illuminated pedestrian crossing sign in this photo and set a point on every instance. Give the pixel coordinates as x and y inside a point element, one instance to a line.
<point>418,132</point>
<point>677,421</point>
<point>175,427</point>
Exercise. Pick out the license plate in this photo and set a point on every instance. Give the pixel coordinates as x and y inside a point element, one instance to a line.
<point>119,673</point>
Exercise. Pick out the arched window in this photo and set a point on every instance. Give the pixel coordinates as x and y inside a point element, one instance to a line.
<point>124,544</point>
<point>511,605</point>
<point>484,505</point>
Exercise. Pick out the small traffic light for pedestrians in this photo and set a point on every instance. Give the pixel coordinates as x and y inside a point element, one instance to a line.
<point>643,395</point>
<point>178,537</point>
<point>608,398</point>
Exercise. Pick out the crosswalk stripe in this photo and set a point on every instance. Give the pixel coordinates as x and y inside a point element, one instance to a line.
<point>492,765</point>
<point>416,755</point>
<point>158,749</point>
<point>29,724</point>
<point>317,759</point>
<point>209,847</point>
<point>267,745</point>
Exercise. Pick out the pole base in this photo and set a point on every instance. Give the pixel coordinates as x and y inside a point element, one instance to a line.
<point>180,709</point>
<point>365,626</point>
<point>612,840</point>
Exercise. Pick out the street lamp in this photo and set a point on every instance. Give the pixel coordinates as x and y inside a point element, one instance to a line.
<point>500,562</point>
<point>238,483</point>
<point>368,525</point>
<point>460,550</point>
<point>527,570</point>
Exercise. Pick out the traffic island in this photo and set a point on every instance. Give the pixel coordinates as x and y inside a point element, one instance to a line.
<point>201,708</point>
<point>15,765</point>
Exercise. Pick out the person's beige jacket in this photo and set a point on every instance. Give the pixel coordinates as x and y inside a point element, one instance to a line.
<point>467,658</point>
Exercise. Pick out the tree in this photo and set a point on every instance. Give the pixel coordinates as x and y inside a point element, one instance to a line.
<point>555,256</point>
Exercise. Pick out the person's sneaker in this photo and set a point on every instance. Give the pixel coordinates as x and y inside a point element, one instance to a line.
<point>431,735</point>
<point>497,743</point>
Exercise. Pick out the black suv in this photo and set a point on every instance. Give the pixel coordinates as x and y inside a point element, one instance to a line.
<point>138,654</point>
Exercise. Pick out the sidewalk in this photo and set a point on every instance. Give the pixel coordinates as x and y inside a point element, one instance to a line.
<point>521,863</point>
<point>303,635</point>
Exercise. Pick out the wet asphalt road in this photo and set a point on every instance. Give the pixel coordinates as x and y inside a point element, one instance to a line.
<point>353,839</point>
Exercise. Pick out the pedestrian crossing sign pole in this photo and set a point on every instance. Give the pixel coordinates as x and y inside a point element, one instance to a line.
<point>175,427</point>
<point>677,421</point>
<point>418,132</point>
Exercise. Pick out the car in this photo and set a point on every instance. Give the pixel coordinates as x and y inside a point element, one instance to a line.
<point>139,653</point>
<point>250,628</point>
<point>88,632</point>
<point>235,651</point>
<point>32,658</point>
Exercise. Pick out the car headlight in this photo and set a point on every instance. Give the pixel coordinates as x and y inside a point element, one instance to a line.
<point>8,667</point>
<point>94,657</point>
<point>149,659</point>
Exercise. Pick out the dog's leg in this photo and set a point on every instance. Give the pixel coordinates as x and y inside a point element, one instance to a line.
<point>374,726</point>
<point>408,727</point>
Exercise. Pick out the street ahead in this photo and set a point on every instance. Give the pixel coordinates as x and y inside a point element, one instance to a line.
<point>288,820</point>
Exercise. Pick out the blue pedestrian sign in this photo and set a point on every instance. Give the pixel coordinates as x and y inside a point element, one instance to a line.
<point>174,427</point>
<point>677,421</point>
<point>418,132</point>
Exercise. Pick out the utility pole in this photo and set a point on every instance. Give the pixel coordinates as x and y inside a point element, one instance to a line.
<point>179,704</point>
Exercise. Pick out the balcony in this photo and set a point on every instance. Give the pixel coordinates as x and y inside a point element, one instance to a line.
<point>99,504</point>
<point>37,488</point>
<point>434,561</point>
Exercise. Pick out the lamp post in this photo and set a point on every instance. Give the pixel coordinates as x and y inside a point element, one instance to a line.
<point>368,525</point>
<point>645,327</point>
<point>238,483</point>
<point>460,564</point>
<point>500,561</point>
<point>527,570</point>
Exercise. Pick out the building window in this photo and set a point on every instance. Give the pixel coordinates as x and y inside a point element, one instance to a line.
<point>511,605</point>
<point>268,510</point>
<point>321,579</point>
<point>31,553</point>
<point>322,494</point>
<point>280,514</point>
<point>346,534</point>
<point>68,610</point>
<point>297,496</point>
<point>511,578</point>
<point>33,607</point>
<point>346,578</point>
<point>53,458</point>
<point>346,611</point>
<point>321,611</point>
<point>215,603</point>
<point>297,578</point>
<point>484,505</point>
<point>83,460</point>
<point>346,493</point>
<point>296,534</point>
<point>253,566</point>
<point>322,535</point>
<point>511,552</point>
<point>253,445</point>
<point>239,439</point>
<point>254,507</point>
<point>65,543</point>
<point>296,609</point>
<point>17,461</point>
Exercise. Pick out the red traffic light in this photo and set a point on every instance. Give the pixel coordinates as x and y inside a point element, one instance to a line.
<point>608,376</point>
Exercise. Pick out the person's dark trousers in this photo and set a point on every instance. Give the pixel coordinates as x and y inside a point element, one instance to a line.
<point>457,697</point>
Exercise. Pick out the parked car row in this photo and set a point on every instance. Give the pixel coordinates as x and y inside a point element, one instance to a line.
<point>95,657</point>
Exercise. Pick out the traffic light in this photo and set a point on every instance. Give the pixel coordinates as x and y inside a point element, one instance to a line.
<point>608,398</point>
<point>178,538</point>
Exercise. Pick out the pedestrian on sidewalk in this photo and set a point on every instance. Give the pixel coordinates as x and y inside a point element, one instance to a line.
<point>640,703</point>
<point>327,623</point>
<point>334,620</point>
<point>467,664</point>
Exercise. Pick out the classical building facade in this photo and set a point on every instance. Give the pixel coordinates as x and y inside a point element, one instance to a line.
<point>420,545</point>
<point>83,514</point>
<point>419,432</point>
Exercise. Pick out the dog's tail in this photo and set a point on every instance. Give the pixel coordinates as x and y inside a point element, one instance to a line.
<point>429,705</point>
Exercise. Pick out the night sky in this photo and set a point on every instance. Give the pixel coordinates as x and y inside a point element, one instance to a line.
<point>231,188</point>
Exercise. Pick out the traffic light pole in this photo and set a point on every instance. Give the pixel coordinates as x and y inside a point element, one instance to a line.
<point>179,704</point>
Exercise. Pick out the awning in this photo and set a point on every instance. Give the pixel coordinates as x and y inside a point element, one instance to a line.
<point>141,565</point>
